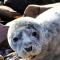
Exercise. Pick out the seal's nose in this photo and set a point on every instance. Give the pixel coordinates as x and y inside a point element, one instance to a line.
<point>28,49</point>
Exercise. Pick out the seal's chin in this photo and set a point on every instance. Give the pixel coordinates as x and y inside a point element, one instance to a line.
<point>32,56</point>
<point>29,55</point>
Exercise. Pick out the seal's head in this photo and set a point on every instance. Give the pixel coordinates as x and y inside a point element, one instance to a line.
<point>24,37</point>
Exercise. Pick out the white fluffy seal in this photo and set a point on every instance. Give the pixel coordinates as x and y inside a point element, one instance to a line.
<point>36,38</point>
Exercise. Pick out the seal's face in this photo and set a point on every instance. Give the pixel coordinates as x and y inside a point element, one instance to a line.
<point>26,41</point>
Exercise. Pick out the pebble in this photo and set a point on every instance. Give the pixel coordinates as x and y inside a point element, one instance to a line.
<point>1,57</point>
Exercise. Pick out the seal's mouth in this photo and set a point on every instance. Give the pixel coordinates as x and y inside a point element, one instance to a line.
<point>29,49</point>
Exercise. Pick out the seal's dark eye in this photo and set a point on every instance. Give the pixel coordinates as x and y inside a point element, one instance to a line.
<point>15,39</point>
<point>35,34</point>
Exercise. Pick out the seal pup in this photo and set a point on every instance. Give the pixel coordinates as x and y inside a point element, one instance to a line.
<point>36,38</point>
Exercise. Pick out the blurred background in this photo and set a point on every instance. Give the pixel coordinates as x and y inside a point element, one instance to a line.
<point>20,5</point>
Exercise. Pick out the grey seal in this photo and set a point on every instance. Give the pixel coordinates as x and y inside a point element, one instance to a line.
<point>36,38</point>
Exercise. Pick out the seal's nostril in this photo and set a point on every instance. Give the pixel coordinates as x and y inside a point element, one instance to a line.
<point>28,49</point>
